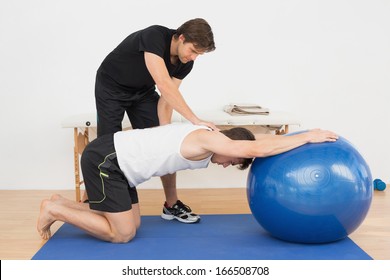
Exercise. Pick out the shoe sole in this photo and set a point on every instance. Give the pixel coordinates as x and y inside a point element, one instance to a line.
<point>172,217</point>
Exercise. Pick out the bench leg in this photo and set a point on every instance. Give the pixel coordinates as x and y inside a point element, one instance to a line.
<point>80,141</point>
<point>282,131</point>
<point>76,164</point>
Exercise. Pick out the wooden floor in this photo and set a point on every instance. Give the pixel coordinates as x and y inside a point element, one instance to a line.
<point>19,210</point>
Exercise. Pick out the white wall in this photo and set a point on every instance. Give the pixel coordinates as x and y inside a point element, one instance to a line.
<point>327,61</point>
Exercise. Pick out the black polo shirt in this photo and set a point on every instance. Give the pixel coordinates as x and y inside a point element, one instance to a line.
<point>124,68</point>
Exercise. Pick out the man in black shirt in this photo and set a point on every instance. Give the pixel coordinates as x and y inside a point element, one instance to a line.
<point>126,81</point>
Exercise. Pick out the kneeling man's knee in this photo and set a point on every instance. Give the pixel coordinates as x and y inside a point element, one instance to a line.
<point>124,236</point>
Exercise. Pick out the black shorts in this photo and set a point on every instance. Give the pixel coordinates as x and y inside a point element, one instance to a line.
<point>112,103</point>
<point>107,187</point>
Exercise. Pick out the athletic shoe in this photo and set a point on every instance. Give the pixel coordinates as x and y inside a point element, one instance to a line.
<point>180,212</point>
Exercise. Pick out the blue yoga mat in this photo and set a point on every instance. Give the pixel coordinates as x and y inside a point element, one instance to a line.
<point>216,237</point>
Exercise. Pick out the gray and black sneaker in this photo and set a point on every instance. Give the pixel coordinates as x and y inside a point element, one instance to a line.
<point>180,212</point>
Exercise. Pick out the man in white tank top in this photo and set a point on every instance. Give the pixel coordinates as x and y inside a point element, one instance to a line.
<point>114,164</point>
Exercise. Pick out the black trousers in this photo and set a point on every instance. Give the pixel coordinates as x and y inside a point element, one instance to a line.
<point>112,103</point>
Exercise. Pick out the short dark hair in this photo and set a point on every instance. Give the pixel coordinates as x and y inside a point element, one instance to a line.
<point>240,133</point>
<point>198,32</point>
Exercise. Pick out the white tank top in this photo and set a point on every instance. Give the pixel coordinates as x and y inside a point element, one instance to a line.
<point>145,153</point>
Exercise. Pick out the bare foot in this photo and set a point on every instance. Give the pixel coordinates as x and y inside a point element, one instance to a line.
<point>60,200</point>
<point>56,197</point>
<point>45,220</point>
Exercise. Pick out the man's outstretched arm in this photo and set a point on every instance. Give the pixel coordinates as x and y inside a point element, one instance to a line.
<point>265,145</point>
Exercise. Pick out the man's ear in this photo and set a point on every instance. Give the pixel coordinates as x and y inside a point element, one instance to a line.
<point>182,38</point>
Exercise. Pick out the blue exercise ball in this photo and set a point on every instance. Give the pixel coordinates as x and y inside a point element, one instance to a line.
<point>316,193</point>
